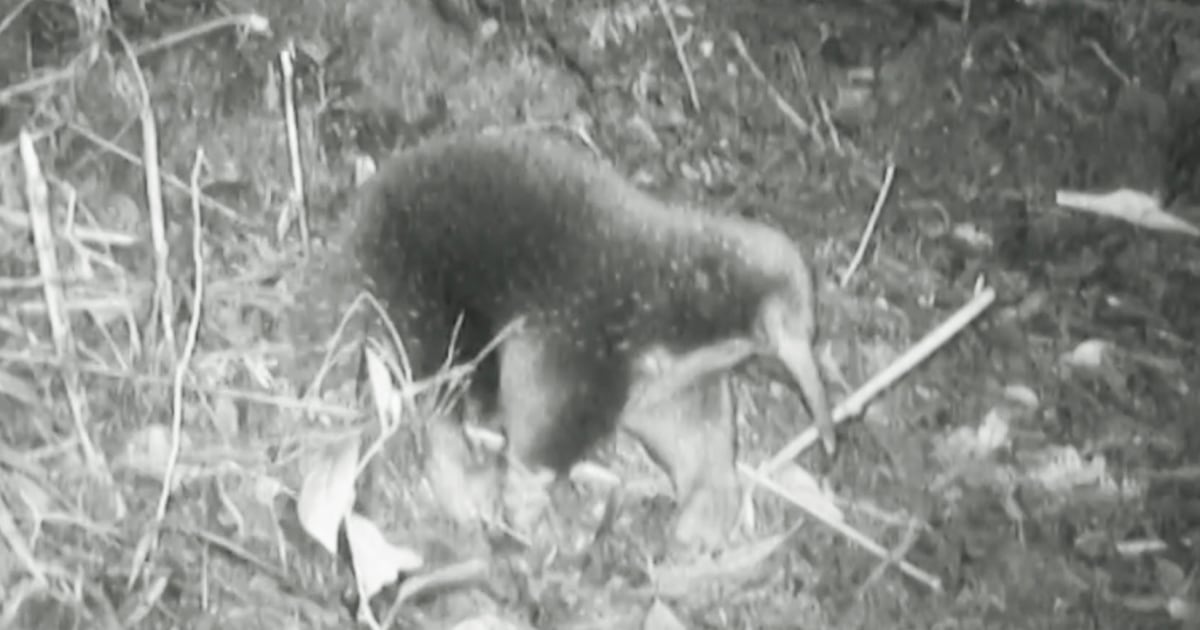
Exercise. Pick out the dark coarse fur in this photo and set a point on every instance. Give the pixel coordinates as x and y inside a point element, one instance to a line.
<point>493,228</point>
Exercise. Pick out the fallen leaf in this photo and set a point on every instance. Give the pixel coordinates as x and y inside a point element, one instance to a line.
<point>1171,578</point>
<point>225,417</point>
<point>486,622</point>
<point>387,398</point>
<point>147,451</point>
<point>327,494</point>
<point>1129,205</point>
<point>376,561</point>
<point>315,48</point>
<point>1183,610</point>
<point>661,617</point>
<point>973,236</point>
<point>266,489</point>
<point>1089,354</point>
<point>1022,395</point>
<point>364,168</point>
<point>993,431</point>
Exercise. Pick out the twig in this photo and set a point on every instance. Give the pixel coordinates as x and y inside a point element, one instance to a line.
<point>252,21</point>
<point>1108,62</point>
<point>680,55</point>
<point>34,282</point>
<point>763,480</point>
<point>880,198</point>
<point>19,547</point>
<point>852,406</point>
<point>827,118</point>
<point>453,575</point>
<point>165,302</point>
<point>797,62</point>
<point>12,15</point>
<point>894,558</point>
<point>175,182</point>
<point>189,347</point>
<point>292,126</point>
<point>36,198</point>
<point>788,111</point>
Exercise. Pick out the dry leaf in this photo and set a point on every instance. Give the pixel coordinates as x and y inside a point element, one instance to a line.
<point>225,417</point>
<point>661,617</point>
<point>1090,354</point>
<point>486,622</point>
<point>388,403</point>
<point>147,451</point>
<point>364,168</point>
<point>1022,395</point>
<point>376,561</point>
<point>1129,205</point>
<point>266,489</point>
<point>1171,579</point>
<point>327,494</point>
<point>315,48</point>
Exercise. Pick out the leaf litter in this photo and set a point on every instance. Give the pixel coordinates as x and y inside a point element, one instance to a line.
<point>1083,435</point>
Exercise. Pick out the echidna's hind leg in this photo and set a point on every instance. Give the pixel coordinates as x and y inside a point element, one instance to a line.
<point>692,436</point>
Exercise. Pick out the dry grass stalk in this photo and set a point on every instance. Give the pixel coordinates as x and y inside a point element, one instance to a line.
<point>298,202</point>
<point>163,290</point>
<point>12,15</point>
<point>788,111</point>
<point>38,203</point>
<point>189,347</point>
<point>680,55</point>
<point>880,198</point>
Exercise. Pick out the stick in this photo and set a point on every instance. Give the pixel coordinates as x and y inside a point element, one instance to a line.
<point>880,198</point>
<point>452,575</point>
<point>930,580</point>
<point>788,111</point>
<point>679,55</point>
<point>12,16</point>
<point>189,348</point>
<point>292,127</point>
<point>853,405</point>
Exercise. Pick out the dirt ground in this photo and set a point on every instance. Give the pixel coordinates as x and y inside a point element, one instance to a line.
<point>1040,467</point>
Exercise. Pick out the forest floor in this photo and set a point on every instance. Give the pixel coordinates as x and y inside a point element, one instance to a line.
<point>1041,465</point>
